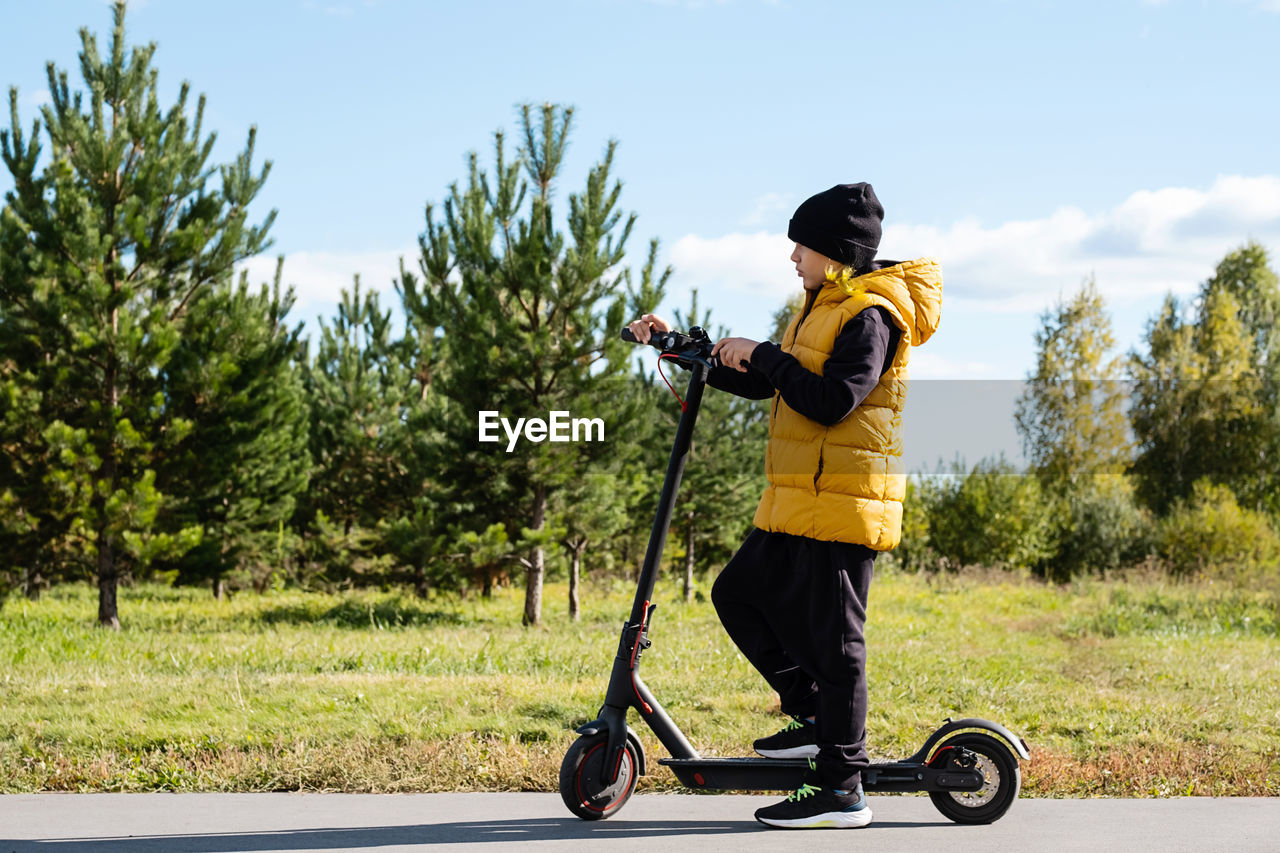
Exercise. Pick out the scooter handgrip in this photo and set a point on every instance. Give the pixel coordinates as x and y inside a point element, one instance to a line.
<point>628,336</point>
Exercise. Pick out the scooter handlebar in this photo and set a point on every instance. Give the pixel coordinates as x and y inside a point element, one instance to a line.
<point>688,348</point>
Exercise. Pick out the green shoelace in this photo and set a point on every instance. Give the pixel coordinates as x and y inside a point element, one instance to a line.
<point>802,792</point>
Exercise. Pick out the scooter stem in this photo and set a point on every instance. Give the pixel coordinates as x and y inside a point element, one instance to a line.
<point>626,690</point>
<point>670,485</point>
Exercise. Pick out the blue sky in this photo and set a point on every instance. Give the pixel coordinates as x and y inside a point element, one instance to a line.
<point>1026,144</point>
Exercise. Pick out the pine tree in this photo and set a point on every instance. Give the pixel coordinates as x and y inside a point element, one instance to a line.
<point>32,534</point>
<point>643,408</point>
<point>589,510</point>
<point>239,471</point>
<point>529,318</point>
<point>417,538</point>
<point>1164,400</point>
<point>360,388</point>
<point>614,495</point>
<point>105,251</point>
<point>783,316</point>
<point>724,472</point>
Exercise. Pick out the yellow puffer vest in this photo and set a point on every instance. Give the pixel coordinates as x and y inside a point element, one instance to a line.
<point>846,482</point>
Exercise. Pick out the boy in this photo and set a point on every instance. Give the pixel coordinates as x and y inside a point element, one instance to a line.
<point>794,596</point>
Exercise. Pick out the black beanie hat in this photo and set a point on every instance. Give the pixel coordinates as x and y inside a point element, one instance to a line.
<point>842,223</point>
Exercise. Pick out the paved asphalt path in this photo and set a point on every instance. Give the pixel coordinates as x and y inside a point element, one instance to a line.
<point>224,823</point>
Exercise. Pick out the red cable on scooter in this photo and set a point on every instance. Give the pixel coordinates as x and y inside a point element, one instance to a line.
<point>683,405</point>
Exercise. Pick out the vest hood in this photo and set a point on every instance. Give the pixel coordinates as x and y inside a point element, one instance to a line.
<point>914,291</point>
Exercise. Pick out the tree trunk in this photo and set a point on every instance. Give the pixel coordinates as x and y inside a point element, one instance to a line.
<point>108,617</point>
<point>688,560</point>
<point>421,586</point>
<point>219,588</point>
<point>537,562</point>
<point>32,581</point>
<point>575,562</point>
<point>107,578</point>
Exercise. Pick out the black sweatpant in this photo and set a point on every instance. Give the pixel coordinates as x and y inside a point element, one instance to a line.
<point>796,607</point>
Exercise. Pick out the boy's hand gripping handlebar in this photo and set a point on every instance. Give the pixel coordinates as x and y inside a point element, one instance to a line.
<point>685,350</point>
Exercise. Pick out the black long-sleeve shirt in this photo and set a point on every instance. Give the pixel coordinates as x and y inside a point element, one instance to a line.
<point>862,352</point>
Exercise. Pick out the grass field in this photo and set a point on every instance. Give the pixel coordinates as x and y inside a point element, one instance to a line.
<point>1121,688</point>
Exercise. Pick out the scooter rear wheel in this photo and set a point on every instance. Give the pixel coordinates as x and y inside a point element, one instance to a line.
<point>1001,779</point>
<point>584,784</point>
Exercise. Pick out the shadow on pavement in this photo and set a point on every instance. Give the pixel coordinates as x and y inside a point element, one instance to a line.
<point>515,831</point>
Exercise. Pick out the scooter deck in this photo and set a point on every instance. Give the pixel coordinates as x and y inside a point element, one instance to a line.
<point>784,774</point>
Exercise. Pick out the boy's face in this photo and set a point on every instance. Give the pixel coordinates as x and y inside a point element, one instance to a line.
<point>812,266</point>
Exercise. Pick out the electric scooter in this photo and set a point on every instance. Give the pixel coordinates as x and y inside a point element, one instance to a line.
<point>969,767</point>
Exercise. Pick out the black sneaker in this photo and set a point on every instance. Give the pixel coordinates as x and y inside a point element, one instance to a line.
<point>797,739</point>
<point>811,807</point>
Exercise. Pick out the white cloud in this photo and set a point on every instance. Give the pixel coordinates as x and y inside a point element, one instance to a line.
<point>769,208</point>
<point>926,364</point>
<point>36,98</point>
<point>1153,242</point>
<point>318,278</point>
<point>754,263</point>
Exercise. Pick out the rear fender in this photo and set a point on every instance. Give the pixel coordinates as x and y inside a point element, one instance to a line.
<point>950,727</point>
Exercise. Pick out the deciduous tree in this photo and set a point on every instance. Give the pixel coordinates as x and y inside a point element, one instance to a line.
<point>1205,398</point>
<point>1071,415</point>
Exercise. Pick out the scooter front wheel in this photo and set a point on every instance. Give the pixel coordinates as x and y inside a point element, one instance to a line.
<point>584,784</point>
<point>1001,779</point>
